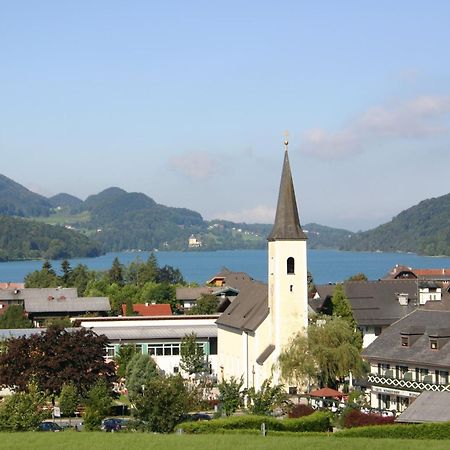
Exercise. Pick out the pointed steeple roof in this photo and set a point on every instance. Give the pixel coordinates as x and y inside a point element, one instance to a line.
<point>287,223</point>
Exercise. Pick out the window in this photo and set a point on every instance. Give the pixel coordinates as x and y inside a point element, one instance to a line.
<point>377,331</point>
<point>170,349</point>
<point>433,344</point>
<point>110,351</point>
<point>441,376</point>
<point>290,265</point>
<point>291,288</point>
<point>405,341</point>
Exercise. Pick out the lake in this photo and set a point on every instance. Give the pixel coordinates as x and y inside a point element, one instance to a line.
<point>326,266</point>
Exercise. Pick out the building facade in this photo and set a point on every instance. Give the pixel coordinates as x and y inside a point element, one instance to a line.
<point>258,324</point>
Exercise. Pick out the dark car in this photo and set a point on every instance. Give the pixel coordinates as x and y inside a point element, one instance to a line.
<point>113,424</point>
<point>49,426</point>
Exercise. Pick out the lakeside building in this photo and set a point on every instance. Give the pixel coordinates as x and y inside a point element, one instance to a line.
<point>41,304</point>
<point>262,318</point>
<point>409,357</point>
<point>158,336</point>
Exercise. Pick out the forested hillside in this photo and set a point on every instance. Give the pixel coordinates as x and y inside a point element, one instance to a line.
<point>118,220</point>
<point>422,229</point>
<point>16,200</point>
<point>26,239</point>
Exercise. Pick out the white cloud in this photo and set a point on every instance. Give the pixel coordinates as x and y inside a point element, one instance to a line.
<point>195,164</point>
<point>420,118</point>
<point>257,214</point>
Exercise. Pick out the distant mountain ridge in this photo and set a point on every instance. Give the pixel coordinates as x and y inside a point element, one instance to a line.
<point>423,229</point>
<point>116,220</point>
<point>17,200</point>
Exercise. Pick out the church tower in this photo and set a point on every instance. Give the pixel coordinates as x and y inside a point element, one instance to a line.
<point>287,267</point>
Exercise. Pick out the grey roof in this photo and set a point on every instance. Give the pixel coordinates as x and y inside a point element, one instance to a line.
<point>388,346</point>
<point>143,333</point>
<point>46,304</point>
<point>249,308</point>
<point>25,332</point>
<point>374,302</point>
<point>192,293</point>
<point>427,407</point>
<point>19,332</point>
<point>31,293</point>
<point>287,222</point>
<point>235,280</point>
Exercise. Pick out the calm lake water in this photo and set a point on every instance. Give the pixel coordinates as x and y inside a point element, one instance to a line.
<point>326,266</point>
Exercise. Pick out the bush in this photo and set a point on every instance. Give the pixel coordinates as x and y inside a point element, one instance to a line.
<point>92,419</point>
<point>400,431</point>
<point>300,411</point>
<point>354,418</point>
<point>319,421</point>
<point>22,411</point>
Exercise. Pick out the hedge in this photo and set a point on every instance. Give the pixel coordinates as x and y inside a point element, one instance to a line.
<point>400,431</point>
<point>318,422</point>
<point>354,418</point>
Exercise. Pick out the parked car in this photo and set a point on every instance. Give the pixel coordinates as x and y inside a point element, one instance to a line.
<point>49,426</point>
<point>113,424</point>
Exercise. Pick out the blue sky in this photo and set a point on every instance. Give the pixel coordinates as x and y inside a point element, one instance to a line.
<point>187,101</point>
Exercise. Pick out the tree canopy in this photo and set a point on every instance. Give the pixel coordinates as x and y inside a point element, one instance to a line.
<point>192,355</point>
<point>328,353</point>
<point>53,358</point>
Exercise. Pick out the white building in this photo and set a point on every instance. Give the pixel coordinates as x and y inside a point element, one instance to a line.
<point>261,320</point>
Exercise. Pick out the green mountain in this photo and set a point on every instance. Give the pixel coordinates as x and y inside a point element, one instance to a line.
<point>422,229</point>
<point>320,236</point>
<point>67,201</point>
<point>27,239</point>
<point>16,200</point>
<point>131,220</point>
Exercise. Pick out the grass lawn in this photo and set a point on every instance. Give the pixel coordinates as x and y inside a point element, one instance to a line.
<point>69,440</point>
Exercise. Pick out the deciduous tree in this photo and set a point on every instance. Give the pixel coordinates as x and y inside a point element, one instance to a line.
<point>327,355</point>
<point>193,359</point>
<point>55,357</point>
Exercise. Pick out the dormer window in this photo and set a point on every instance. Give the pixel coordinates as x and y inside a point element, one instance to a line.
<point>433,344</point>
<point>290,265</point>
<point>405,341</point>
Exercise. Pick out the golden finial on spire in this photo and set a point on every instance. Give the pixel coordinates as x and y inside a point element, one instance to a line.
<point>286,141</point>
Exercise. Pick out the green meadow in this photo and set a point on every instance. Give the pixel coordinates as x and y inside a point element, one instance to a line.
<point>129,441</point>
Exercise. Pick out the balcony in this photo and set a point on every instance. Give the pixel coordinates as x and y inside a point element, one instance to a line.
<point>406,383</point>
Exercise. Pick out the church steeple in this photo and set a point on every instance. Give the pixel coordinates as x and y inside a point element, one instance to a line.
<point>287,223</point>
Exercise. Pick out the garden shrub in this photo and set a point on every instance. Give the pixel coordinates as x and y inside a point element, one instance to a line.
<point>319,421</point>
<point>400,431</point>
<point>355,418</point>
<point>300,410</point>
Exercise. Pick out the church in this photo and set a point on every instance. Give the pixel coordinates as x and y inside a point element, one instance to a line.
<point>260,321</point>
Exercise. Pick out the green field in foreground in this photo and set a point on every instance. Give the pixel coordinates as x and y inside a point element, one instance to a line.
<point>129,441</point>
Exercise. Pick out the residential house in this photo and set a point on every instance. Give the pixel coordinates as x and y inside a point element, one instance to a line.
<point>409,357</point>
<point>375,304</point>
<point>41,304</point>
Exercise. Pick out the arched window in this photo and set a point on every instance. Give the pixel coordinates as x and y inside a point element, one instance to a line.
<point>290,265</point>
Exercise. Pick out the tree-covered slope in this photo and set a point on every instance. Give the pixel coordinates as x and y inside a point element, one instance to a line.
<point>422,229</point>
<point>67,201</point>
<point>320,236</point>
<point>25,239</point>
<point>131,220</point>
<point>16,200</point>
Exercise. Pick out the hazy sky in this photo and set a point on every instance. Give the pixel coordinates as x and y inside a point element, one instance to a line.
<point>187,101</point>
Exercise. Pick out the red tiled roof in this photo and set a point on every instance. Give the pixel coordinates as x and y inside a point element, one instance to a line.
<point>12,285</point>
<point>326,392</point>
<point>434,272</point>
<point>162,309</point>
